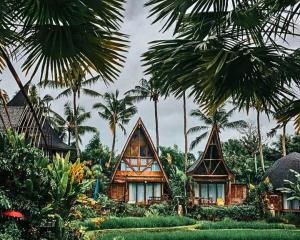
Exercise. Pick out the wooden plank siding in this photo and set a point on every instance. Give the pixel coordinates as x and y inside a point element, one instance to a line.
<point>139,167</point>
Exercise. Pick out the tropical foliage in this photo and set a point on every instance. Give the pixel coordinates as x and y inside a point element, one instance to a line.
<point>117,112</point>
<point>220,117</point>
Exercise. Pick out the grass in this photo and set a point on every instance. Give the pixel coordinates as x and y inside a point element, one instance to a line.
<point>207,235</point>
<point>136,222</point>
<point>230,224</point>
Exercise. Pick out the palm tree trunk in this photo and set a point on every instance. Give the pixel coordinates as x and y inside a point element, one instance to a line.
<point>112,147</point>
<point>3,122</point>
<point>75,122</point>
<point>260,141</point>
<point>156,126</point>
<point>69,137</point>
<point>6,110</point>
<point>283,140</point>
<point>185,133</point>
<point>255,162</point>
<point>21,87</point>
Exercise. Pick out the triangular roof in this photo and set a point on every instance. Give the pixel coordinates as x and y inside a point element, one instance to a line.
<point>139,124</point>
<point>19,99</point>
<point>213,140</point>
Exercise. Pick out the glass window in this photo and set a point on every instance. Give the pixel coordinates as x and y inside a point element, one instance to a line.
<point>140,192</point>
<point>123,166</point>
<point>196,189</point>
<point>290,204</point>
<point>134,161</point>
<point>157,190</point>
<point>204,190</point>
<point>149,191</point>
<point>143,151</point>
<point>155,166</point>
<point>221,191</point>
<point>143,162</point>
<point>212,191</point>
<point>132,193</point>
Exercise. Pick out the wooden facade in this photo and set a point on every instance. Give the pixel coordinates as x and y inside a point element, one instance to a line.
<point>138,175</point>
<point>213,182</point>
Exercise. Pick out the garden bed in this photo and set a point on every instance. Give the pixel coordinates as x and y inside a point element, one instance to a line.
<point>207,235</point>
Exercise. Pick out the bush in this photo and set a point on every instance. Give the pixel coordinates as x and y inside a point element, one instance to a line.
<point>230,224</point>
<point>150,222</point>
<point>207,235</point>
<point>235,212</point>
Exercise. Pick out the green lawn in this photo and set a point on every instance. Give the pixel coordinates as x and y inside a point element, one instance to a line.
<point>207,235</point>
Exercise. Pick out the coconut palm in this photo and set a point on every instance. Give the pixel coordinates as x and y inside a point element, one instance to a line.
<point>53,37</point>
<point>3,104</point>
<point>76,84</point>
<point>149,89</point>
<point>221,117</point>
<point>117,112</point>
<point>65,125</point>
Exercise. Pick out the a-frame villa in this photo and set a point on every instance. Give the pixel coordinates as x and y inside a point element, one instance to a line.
<point>138,175</point>
<point>213,182</point>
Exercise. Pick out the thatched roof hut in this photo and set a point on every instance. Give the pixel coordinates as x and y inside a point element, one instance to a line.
<point>280,170</point>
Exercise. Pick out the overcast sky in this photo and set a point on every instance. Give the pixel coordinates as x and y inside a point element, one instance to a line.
<point>141,32</point>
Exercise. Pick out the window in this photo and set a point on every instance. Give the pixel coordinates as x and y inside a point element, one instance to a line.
<point>123,166</point>
<point>143,151</point>
<point>143,192</point>
<point>210,190</point>
<point>290,204</point>
<point>155,166</point>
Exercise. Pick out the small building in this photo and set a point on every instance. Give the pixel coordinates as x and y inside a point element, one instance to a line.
<point>138,175</point>
<point>212,181</point>
<point>276,174</point>
<point>21,120</point>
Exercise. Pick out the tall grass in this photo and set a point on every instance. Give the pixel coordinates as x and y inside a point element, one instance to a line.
<point>149,222</point>
<point>207,235</point>
<point>230,224</point>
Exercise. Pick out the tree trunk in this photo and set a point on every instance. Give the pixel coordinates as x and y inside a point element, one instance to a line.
<point>112,147</point>
<point>283,140</point>
<point>6,111</point>
<point>21,87</point>
<point>3,122</point>
<point>156,126</point>
<point>76,126</point>
<point>260,142</point>
<point>69,137</point>
<point>185,133</point>
<point>255,162</point>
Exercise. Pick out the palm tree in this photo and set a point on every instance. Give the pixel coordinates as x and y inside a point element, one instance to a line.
<point>152,90</point>
<point>51,42</point>
<point>117,112</point>
<point>220,117</point>
<point>3,103</point>
<point>76,84</point>
<point>65,125</point>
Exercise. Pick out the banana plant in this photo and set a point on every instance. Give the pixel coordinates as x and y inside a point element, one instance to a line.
<point>68,182</point>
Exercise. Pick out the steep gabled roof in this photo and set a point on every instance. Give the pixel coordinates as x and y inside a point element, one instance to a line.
<point>19,98</point>
<point>139,124</point>
<point>213,144</point>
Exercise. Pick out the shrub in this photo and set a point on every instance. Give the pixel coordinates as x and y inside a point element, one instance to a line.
<point>149,222</point>
<point>207,235</point>
<point>230,224</point>
<point>235,212</point>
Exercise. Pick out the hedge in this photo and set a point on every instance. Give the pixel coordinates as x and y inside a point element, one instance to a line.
<point>235,212</point>
<point>229,224</point>
<point>207,235</point>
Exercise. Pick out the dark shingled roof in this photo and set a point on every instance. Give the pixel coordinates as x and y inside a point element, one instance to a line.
<point>16,109</point>
<point>280,170</point>
<point>195,164</point>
